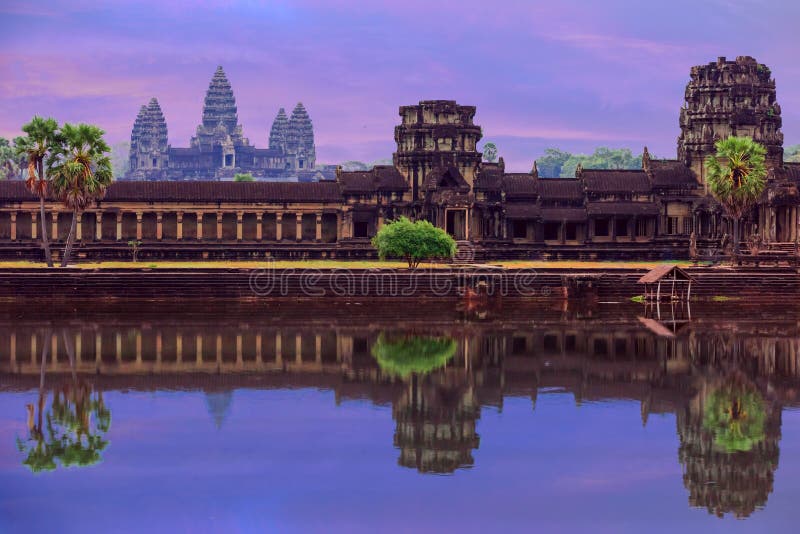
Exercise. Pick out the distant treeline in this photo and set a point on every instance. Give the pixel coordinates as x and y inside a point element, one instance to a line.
<point>560,164</point>
<point>354,165</point>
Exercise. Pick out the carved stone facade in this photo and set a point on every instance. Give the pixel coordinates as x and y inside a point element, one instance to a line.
<point>437,174</point>
<point>729,98</point>
<point>219,149</point>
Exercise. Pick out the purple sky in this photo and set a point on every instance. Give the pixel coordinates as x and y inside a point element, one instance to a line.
<point>571,74</point>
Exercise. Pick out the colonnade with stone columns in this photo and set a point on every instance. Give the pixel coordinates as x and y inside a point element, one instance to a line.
<point>179,223</point>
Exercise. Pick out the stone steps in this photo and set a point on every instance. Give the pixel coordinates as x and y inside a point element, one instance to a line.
<point>236,283</point>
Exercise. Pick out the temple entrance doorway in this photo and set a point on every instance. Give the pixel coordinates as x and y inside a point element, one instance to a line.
<point>783,224</point>
<point>457,223</point>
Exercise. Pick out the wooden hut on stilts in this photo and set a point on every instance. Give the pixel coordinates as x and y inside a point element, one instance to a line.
<point>667,282</point>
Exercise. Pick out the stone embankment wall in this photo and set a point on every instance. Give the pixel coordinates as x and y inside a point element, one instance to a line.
<point>310,284</point>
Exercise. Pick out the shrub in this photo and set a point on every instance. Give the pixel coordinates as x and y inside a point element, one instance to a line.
<point>413,241</point>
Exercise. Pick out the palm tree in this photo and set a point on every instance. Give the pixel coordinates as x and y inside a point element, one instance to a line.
<point>81,172</point>
<point>36,147</point>
<point>736,178</point>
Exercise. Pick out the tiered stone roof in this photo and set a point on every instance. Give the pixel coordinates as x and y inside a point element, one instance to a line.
<point>219,106</point>
<point>278,132</point>
<point>149,138</point>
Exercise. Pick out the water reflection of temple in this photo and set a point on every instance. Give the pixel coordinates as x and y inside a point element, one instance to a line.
<point>592,356</point>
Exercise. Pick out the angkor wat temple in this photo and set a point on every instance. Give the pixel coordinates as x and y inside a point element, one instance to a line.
<point>438,174</point>
<point>219,150</point>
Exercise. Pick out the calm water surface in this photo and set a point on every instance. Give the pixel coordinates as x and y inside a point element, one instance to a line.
<point>219,417</point>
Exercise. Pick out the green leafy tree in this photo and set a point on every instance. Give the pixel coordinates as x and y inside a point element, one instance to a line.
<point>134,245</point>
<point>413,241</point>
<point>9,161</point>
<point>81,172</point>
<point>792,153</point>
<point>353,165</point>
<point>602,158</point>
<point>406,355</point>
<point>243,177</point>
<point>736,178</point>
<point>551,163</point>
<point>37,146</point>
<point>490,152</point>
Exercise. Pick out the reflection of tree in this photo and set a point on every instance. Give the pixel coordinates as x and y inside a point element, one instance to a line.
<point>729,448</point>
<point>735,416</point>
<point>71,432</point>
<point>407,355</point>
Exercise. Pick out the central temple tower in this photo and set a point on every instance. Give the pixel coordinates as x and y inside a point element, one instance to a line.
<point>729,98</point>
<point>436,135</point>
<point>220,126</point>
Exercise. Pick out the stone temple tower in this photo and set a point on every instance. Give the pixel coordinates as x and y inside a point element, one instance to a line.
<point>300,150</point>
<point>277,134</point>
<point>436,135</point>
<point>149,148</point>
<point>220,125</point>
<point>728,98</point>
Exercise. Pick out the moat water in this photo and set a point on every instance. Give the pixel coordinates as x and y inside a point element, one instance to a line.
<point>223,417</point>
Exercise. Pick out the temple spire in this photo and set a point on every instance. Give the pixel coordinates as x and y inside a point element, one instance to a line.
<point>219,106</point>
<point>277,134</point>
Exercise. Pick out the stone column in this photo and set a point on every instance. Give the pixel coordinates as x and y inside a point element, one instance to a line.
<point>278,349</point>
<point>633,227</point>
<point>34,224</point>
<point>79,227</point>
<point>159,226</point>
<point>299,227</point>
<point>13,347</point>
<point>239,217</point>
<point>318,348</point>
<point>319,227</point>
<point>179,229</point>
<point>98,347</point>
<point>98,225</point>
<point>219,225</point>
<point>199,225</point>
<point>259,234</point>
<point>119,226</point>
<point>198,355</point>
<point>178,348</point>
<point>239,354</point>
<point>278,226</point>
<point>13,226</point>
<point>258,348</point>
<point>298,349</point>
<point>139,216</point>
<point>54,226</point>
<point>159,347</point>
